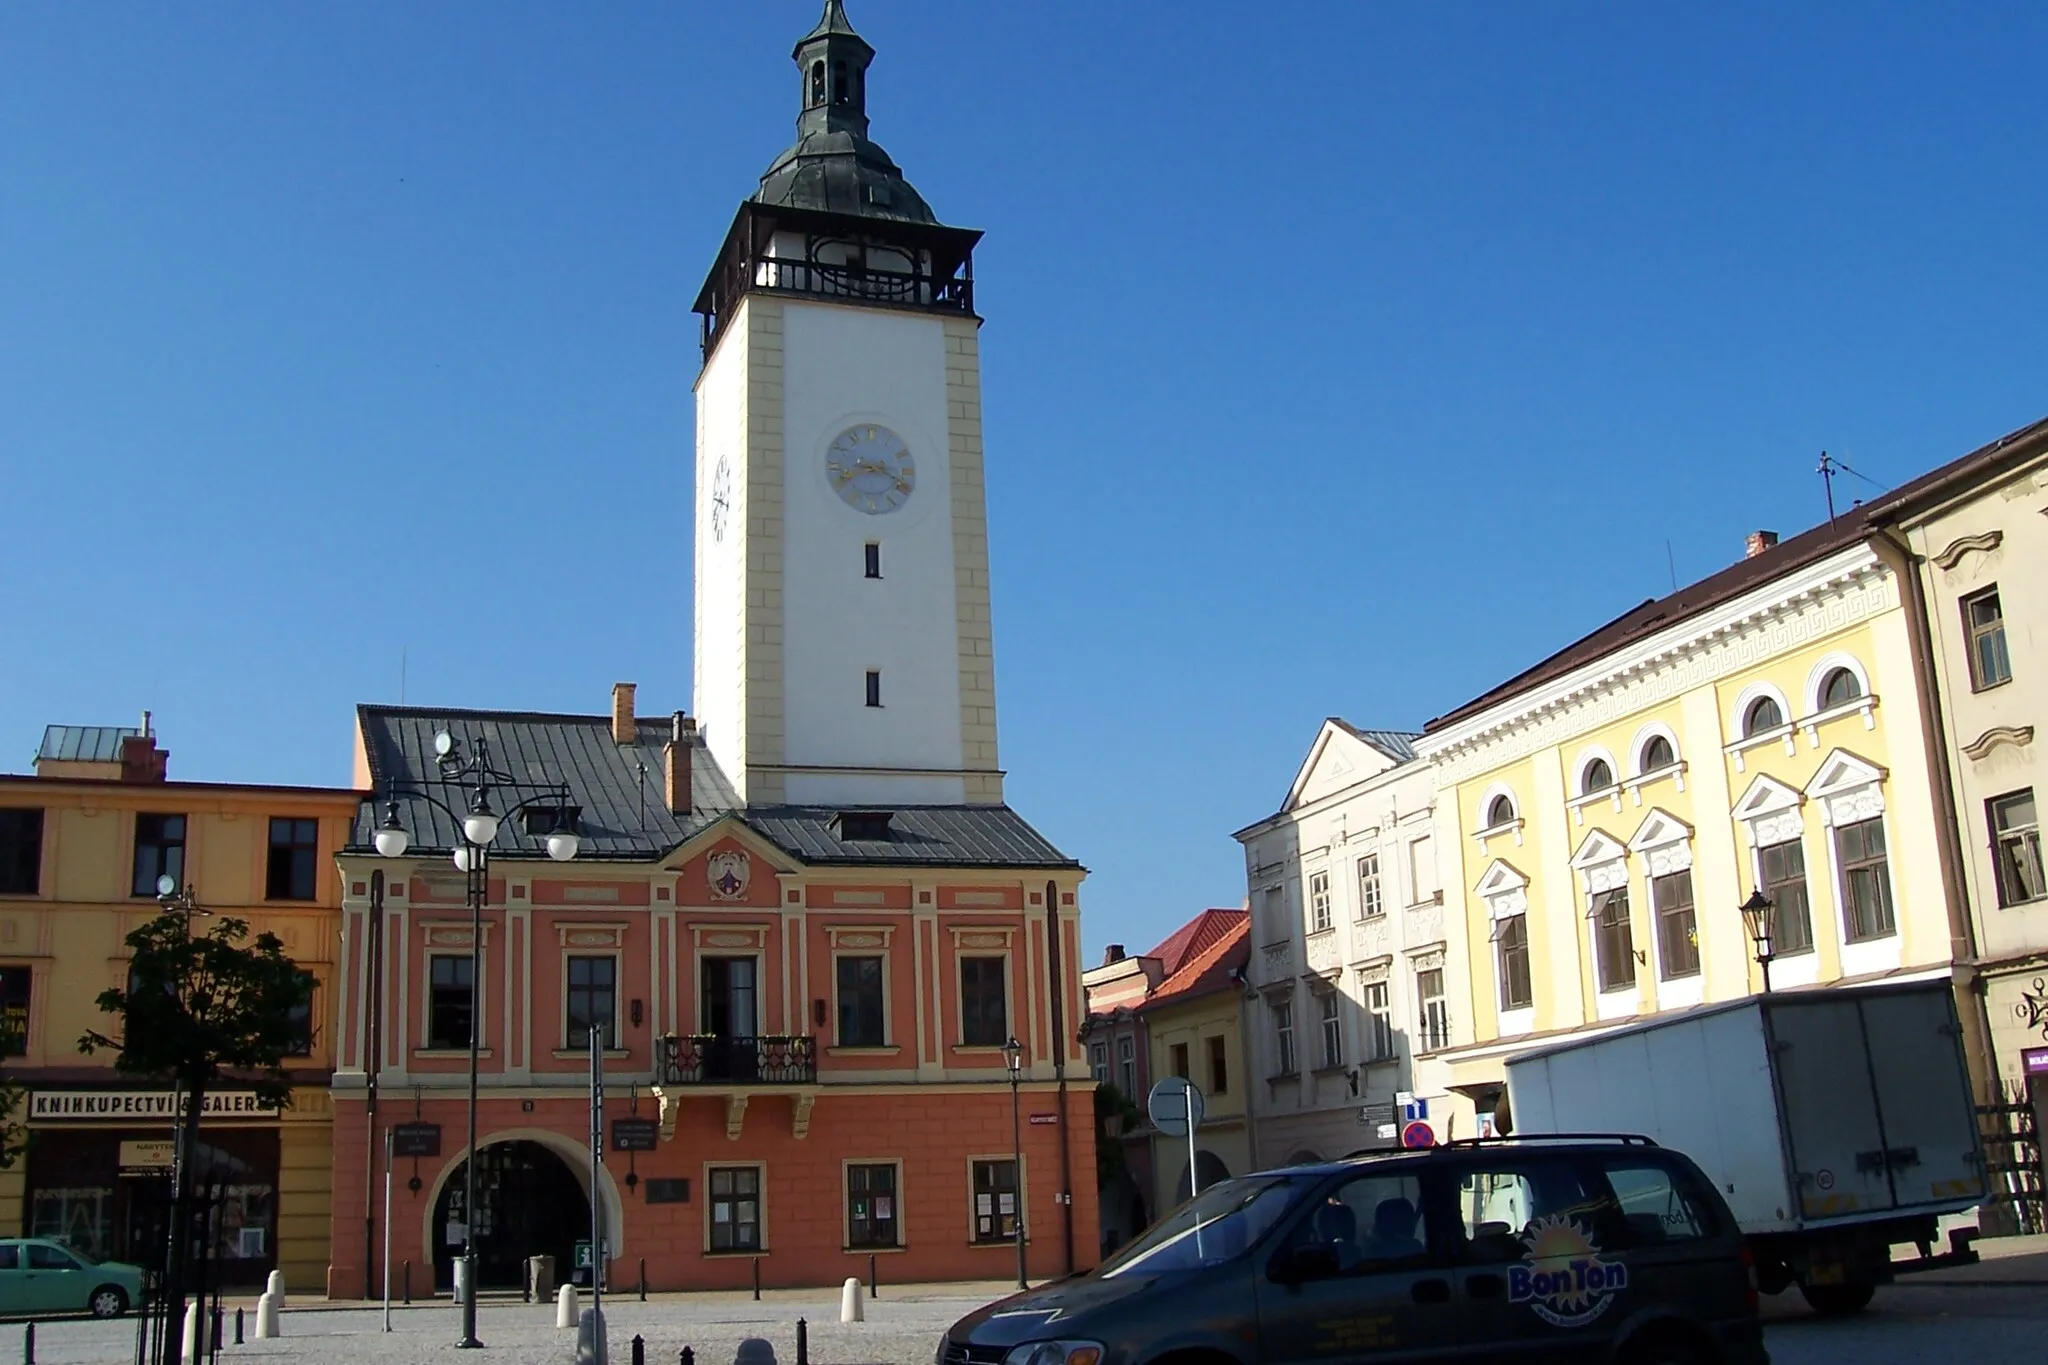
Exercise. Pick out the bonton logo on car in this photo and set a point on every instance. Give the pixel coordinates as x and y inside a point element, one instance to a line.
<point>1563,1278</point>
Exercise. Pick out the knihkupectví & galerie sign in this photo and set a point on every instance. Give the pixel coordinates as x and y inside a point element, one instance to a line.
<point>141,1104</point>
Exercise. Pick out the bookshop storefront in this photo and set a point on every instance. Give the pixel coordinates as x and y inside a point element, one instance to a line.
<point>98,1176</point>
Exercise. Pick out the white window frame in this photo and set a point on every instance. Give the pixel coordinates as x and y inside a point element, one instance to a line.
<point>1640,776</point>
<point>1847,790</point>
<point>1505,891</point>
<point>1580,800</point>
<point>1785,732</point>
<point>1663,845</point>
<point>1320,919</point>
<point>1372,892</point>
<point>1329,1029</point>
<point>1819,714</point>
<point>1770,813</point>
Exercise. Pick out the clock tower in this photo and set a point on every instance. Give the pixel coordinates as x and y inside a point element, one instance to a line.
<point>843,650</point>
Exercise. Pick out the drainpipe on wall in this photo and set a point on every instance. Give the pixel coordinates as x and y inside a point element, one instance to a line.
<point>374,950</point>
<point>1056,967</point>
<point>1245,996</point>
<point>1892,547</point>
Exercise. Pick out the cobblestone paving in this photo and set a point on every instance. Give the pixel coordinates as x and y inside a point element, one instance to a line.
<point>1907,1325</point>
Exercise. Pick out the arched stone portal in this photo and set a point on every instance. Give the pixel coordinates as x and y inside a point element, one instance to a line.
<point>530,1204</point>
<point>1212,1169</point>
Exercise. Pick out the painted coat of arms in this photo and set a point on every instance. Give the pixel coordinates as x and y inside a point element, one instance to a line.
<point>728,872</point>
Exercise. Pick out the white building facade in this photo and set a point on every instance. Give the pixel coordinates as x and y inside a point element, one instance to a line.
<point>1347,982</point>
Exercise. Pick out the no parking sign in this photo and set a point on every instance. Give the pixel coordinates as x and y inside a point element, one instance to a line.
<point>1418,1133</point>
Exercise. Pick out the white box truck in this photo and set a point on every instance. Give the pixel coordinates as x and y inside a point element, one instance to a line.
<point>1837,1123</point>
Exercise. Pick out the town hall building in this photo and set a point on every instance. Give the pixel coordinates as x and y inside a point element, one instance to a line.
<point>834,978</point>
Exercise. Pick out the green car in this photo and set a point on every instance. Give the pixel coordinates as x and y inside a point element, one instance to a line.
<point>40,1276</point>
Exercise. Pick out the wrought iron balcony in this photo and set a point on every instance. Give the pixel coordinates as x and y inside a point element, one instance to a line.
<point>715,1059</point>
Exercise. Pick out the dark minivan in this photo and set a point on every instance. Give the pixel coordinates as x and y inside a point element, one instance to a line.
<point>1563,1249</point>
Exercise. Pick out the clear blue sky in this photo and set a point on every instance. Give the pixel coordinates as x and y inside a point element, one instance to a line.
<point>1339,358</point>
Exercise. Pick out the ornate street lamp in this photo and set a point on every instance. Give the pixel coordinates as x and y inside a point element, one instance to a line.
<point>1760,917</point>
<point>1013,1058</point>
<point>478,826</point>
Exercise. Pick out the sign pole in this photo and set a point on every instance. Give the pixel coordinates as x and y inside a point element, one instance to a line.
<point>598,1334</point>
<point>387,1228</point>
<point>1194,1176</point>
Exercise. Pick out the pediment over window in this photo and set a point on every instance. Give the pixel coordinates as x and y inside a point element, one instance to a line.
<point>1598,849</point>
<point>1842,771</point>
<point>1659,827</point>
<point>1767,796</point>
<point>1501,878</point>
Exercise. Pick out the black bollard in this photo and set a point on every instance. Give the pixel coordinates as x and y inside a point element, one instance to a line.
<point>688,1357</point>
<point>28,1345</point>
<point>238,1327</point>
<point>803,1343</point>
<point>639,1350</point>
<point>757,1279</point>
<point>408,1281</point>
<point>874,1278</point>
<point>643,1286</point>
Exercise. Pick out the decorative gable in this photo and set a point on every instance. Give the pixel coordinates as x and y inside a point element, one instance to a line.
<point>1848,789</point>
<point>1770,811</point>
<point>1603,860</point>
<point>1664,841</point>
<point>1336,760</point>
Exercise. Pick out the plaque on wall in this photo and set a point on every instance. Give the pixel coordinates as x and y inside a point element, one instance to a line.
<point>416,1139</point>
<point>668,1191</point>
<point>635,1135</point>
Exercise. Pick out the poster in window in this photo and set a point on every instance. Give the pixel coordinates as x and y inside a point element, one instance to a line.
<point>721,1213</point>
<point>1009,1203</point>
<point>249,1243</point>
<point>983,1205</point>
<point>884,1208</point>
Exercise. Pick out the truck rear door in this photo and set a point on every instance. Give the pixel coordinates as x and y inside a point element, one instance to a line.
<point>1923,1097</point>
<point>1832,1123</point>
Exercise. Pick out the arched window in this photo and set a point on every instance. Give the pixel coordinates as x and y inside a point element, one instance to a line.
<point>1500,811</point>
<point>840,93</point>
<point>1764,714</point>
<point>1597,777</point>
<point>1658,754</point>
<point>817,82</point>
<point>1840,689</point>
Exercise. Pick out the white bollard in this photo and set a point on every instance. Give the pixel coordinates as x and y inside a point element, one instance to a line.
<point>266,1318</point>
<point>565,1307</point>
<point>850,1309</point>
<point>190,1350</point>
<point>593,1343</point>
<point>275,1287</point>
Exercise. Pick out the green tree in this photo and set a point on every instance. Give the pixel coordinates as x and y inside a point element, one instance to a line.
<point>197,1008</point>
<point>13,1098</point>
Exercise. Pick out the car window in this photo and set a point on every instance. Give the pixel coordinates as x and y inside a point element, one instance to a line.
<point>10,1256</point>
<point>42,1257</point>
<point>1511,1209</point>
<point>1218,1225</point>
<point>1371,1221</point>
<point>1657,1205</point>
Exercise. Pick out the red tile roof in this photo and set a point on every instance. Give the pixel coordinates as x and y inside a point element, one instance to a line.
<point>1194,936</point>
<point>1215,968</point>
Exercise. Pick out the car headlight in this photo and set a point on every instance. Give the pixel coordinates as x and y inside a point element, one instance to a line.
<point>1055,1353</point>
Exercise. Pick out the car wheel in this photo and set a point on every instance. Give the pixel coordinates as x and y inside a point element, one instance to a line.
<point>1837,1300</point>
<point>108,1301</point>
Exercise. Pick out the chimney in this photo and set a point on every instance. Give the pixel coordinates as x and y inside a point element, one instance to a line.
<point>623,729</point>
<point>1113,953</point>
<point>675,765</point>
<point>1759,541</point>
<point>142,761</point>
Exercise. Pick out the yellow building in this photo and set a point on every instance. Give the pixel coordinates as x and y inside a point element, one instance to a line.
<point>1194,1030</point>
<point>82,844</point>
<point>1603,815</point>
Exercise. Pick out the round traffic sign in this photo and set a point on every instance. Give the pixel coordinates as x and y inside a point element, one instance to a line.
<point>1174,1106</point>
<point>1418,1133</point>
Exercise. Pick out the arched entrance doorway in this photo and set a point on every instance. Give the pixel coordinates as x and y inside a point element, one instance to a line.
<point>529,1203</point>
<point>1212,1168</point>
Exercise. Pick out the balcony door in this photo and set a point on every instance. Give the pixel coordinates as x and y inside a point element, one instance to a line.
<point>728,1005</point>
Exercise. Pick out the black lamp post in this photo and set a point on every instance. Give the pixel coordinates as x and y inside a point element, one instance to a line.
<point>477,826</point>
<point>1759,916</point>
<point>1013,1058</point>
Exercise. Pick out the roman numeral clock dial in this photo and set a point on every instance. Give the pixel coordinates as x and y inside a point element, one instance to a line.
<point>871,469</point>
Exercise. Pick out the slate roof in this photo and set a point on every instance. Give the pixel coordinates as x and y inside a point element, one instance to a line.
<point>623,811</point>
<point>1215,968</point>
<point>84,743</point>
<point>1398,745</point>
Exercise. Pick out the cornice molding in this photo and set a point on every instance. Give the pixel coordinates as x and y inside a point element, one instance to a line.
<point>2019,736</point>
<point>1782,616</point>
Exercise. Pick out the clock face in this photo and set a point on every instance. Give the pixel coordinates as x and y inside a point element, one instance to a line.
<point>721,498</point>
<point>871,469</point>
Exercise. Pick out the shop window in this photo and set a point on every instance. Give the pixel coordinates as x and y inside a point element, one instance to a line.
<point>593,1000</point>
<point>293,874</point>
<point>21,852</point>
<point>984,1004</point>
<point>995,1201</point>
<point>735,1208</point>
<point>159,852</point>
<point>16,983</point>
<point>871,1217</point>
<point>448,982</point>
<point>860,1002</point>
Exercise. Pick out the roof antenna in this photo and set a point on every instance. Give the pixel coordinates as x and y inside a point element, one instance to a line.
<point>1827,478</point>
<point>1671,564</point>
<point>641,764</point>
<point>401,675</point>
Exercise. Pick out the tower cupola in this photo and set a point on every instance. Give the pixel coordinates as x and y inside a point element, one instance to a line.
<point>832,165</point>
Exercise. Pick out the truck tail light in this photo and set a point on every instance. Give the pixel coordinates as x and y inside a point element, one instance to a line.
<point>1749,1279</point>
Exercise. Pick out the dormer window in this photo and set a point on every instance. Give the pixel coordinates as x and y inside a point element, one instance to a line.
<point>860,826</point>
